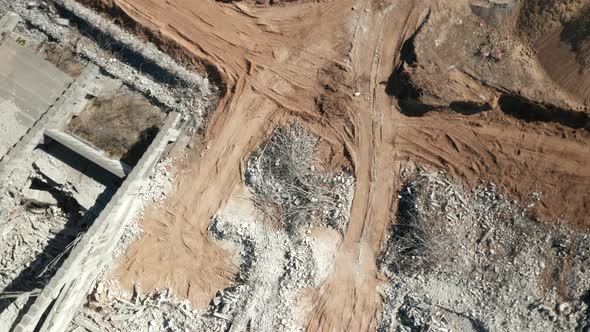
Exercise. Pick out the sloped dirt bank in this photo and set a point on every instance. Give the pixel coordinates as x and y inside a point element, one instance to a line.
<point>528,110</point>
<point>559,33</point>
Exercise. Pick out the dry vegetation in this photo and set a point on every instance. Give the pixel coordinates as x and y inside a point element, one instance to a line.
<point>288,186</point>
<point>123,125</point>
<point>458,258</point>
<point>64,58</point>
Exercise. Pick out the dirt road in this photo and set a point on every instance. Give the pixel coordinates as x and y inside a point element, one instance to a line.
<point>308,61</point>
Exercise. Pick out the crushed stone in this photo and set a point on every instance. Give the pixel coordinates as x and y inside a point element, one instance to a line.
<point>112,309</point>
<point>462,260</point>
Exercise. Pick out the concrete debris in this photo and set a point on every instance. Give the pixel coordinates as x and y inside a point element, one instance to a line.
<point>71,182</point>
<point>112,309</point>
<point>64,22</point>
<point>419,316</point>
<point>282,173</point>
<point>50,170</point>
<point>160,182</point>
<point>276,263</point>
<point>273,269</point>
<point>467,256</point>
<point>32,240</point>
<point>10,314</point>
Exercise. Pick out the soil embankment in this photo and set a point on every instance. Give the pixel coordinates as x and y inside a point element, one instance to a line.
<point>559,31</point>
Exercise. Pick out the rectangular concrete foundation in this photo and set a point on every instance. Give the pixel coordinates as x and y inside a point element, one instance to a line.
<point>66,291</point>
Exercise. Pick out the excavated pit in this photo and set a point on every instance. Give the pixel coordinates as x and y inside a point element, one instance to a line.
<point>410,95</point>
<point>527,110</point>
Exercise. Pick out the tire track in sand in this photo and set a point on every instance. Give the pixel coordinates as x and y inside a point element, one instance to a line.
<point>271,59</point>
<point>349,299</point>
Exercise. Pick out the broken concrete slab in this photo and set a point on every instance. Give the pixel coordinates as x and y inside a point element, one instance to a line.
<point>66,290</point>
<point>39,197</point>
<point>83,183</point>
<point>50,171</point>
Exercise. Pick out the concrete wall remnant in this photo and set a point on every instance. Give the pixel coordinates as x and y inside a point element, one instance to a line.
<point>88,152</point>
<point>64,294</point>
<point>39,197</point>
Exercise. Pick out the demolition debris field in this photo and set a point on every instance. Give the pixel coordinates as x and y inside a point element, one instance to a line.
<point>295,165</point>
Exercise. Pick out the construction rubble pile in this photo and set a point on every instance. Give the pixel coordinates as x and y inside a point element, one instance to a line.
<point>462,260</point>
<point>160,182</point>
<point>33,240</point>
<point>278,258</point>
<point>31,231</point>
<point>282,173</point>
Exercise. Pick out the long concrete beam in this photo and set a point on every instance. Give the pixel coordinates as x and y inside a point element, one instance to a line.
<point>66,291</point>
<point>116,167</point>
<point>8,22</point>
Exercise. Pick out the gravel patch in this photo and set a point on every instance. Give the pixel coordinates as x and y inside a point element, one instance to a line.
<point>462,260</point>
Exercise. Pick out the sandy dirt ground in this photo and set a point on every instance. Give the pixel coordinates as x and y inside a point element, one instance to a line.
<point>558,31</point>
<point>561,64</point>
<point>325,63</point>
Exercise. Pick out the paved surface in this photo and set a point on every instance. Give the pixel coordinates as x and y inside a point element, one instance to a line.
<point>70,102</point>
<point>32,83</point>
<point>29,85</point>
